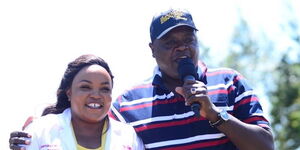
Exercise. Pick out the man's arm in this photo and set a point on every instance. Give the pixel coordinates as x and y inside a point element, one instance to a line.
<point>245,136</point>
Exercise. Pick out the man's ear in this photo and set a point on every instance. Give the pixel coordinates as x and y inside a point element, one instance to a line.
<point>68,92</point>
<point>152,49</point>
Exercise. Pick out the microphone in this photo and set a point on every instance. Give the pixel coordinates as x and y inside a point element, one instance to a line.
<point>187,71</point>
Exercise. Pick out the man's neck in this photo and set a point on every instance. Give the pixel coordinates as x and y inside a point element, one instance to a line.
<point>171,83</point>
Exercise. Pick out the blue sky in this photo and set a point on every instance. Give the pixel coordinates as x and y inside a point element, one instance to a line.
<point>38,38</point>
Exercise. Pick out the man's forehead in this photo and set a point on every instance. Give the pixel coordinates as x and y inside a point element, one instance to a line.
<point>184,29</point>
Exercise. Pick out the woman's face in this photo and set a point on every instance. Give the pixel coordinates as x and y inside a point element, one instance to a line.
<point>90,94</point>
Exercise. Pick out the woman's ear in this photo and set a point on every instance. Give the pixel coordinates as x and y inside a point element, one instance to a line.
<point>68,92</point>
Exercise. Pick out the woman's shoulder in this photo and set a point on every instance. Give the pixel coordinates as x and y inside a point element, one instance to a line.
<point>46,122</point>
<point>120,126</point>
<point>118,123</point>
<point>124,135</point>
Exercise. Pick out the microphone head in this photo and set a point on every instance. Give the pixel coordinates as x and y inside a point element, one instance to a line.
<point>186,68</point>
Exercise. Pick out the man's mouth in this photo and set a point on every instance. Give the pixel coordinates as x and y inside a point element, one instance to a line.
<point>181,57</point>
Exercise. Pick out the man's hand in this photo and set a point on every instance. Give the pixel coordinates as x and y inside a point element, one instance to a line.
<point>196,92</point>
<point>17,138</point>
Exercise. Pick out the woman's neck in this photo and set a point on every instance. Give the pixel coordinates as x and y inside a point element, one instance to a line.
<point>87,134</point>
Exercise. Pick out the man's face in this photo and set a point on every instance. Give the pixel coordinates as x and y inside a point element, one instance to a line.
<point>178,43</point>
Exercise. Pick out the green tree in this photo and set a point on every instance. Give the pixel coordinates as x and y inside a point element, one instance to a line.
<point>271,62</point>
<point>285,98</point>
<point>277,69</point>
<point>286,102</point>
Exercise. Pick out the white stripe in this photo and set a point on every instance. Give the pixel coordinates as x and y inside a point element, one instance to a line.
<point>219,86</point>
<point>163,118</point>
<point>219,69</point>
<point>149,99</point>
<point>185,140</point>
<point>143,100</point>
<point>172,117</point>
<point>247,93</point>
<point>258,114</point>
<point>119,116</point>
<point>226,108</point>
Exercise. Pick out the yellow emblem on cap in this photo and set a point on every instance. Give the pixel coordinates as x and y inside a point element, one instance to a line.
<point>173,14</point>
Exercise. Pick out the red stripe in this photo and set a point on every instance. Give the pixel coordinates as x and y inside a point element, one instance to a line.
<point>231,89</point>
<point>119,99</point>
<point>110,114</point>
<point>168,124</point>
<point>135,107</point>
<point>219,72</point>
<point>253,119</point>
<point>200,145</point>
<point>264,126</point>
<point>217,92</point>
<point>175,100</point>
<point>245,101</point>
<point>239,77</point>
<point>202,66</point>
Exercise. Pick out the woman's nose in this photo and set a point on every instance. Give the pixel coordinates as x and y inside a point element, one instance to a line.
<point>96,94</point>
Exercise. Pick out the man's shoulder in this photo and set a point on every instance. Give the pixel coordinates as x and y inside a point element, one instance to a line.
<point>139,86</point>
<point>214,72</point>
<point>136,92</point>
<point>221,69</point>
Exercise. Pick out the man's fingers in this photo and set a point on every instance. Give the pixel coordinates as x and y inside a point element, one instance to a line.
<point>179,90</point>
<point>16,147</point>
<point>16,140</point>
<point>197,98</point>
<point>19,134</point>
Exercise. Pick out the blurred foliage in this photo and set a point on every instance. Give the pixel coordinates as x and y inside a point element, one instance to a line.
<point>286,105</point>
<point>267,65</point>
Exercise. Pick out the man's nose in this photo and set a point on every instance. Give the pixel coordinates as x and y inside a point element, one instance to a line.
<point>182,47</point>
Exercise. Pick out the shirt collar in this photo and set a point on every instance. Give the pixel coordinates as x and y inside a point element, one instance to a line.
<point>201,72</point>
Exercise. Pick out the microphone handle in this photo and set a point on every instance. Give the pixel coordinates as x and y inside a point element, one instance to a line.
<point>195,107</point>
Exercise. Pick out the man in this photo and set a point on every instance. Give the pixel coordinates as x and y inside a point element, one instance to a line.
<point>159,109</point>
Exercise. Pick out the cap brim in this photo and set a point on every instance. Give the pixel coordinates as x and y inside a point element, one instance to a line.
<point>169,29</point>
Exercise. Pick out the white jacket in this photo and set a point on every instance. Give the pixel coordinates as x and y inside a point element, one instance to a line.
<point>54,132</point>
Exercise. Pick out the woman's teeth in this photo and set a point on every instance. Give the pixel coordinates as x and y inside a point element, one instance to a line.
<point>94,105</point>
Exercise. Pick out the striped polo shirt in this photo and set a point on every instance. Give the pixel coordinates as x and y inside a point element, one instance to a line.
<point>162,120</point>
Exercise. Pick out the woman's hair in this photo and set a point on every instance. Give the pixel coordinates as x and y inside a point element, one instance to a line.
<point>73,68</point>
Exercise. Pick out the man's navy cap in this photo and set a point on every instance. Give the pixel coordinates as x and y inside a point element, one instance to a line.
<point>168,20</point>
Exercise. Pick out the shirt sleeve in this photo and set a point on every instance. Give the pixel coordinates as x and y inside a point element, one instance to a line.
<point>247,107</point>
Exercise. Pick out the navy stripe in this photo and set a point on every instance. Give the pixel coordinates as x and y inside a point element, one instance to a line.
<point>163,121</point>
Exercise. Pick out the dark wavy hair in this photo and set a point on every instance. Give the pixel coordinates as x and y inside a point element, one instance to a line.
<point>73,68</point>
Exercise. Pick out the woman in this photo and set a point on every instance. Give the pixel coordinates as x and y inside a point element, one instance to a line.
<point>79,118</point>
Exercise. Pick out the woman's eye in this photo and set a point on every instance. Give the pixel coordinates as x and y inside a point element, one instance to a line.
<point>85,87</point>
<point>106,90</point>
